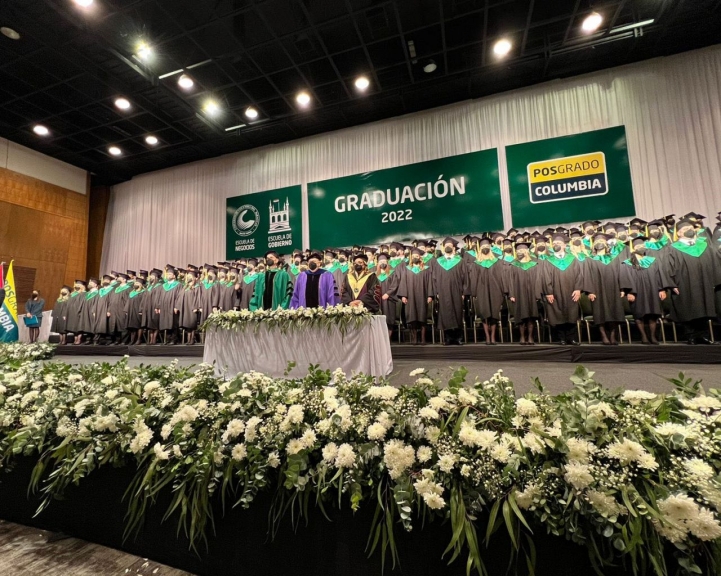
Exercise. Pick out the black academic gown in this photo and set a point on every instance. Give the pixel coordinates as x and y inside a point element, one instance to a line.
<point>389,285</point>
<point>208,298</point>
<point>644,279</point>
<point>188,303</point>
<point>229,296</point>
<point>87,319</point>
<point>562,277</point>
<point>696,275</point>
<point>75,311</point>
<point>118,321</point>
<point>417,286</point>
<point>523,284</point>
<point>59,324</point>
<point>134,306</point>
<point>369,294</point>
<point>450,285</point>
<point>487,284</point>
<point>150,320</point>
<point>102,307</point>
<point>247,290</point>
<point>602,278</point>
<point>167,304</point>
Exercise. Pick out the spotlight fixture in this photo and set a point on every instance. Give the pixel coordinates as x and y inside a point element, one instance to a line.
<point>502,47</point>
<point>303,98</point>
<point>430,67</point>
<point>115,151</point>
<point>40,130</point>
<point>362,83</point>
<point>152,140</point>
<point>122,103</point>
<point>592,22</point>
<point>84,3</point>
<point>10,33</point>
<point>211,107</point>
<point>144,52</point>
<point>251,113</point>
<point>185,82</point>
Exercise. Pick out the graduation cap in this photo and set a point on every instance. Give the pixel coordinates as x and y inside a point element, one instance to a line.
<point>512,232</point>
<point>538,237</point>
<point>561,230</point>
<point>66,287</point>
<point>670,220</point>
<point>172,269</point>
<point>315,254</point>
<point>130,272</point>
<point>485,240</point>
<point>234,270</point>
<point>252,262</point>
<point>360,256</point>
<point>621,227</point>
<point>107,277</point>
<point>523,244</point>
<point>467,239</point>
<point>416,252</point>
<point>575,233</point>
<point>192,267</point>
<point>639,240</point>
<point>637,223</point>
<point>123,276</point>
<point>397,246</point>
<point>656,223</point>
<point>384,246</point>
<point>345,253</point>
<point>242,261</point>
<point>140,281</point>
<point>432,243</point>
<point>81,282</point>
<point>548,232</point>
<point>718,216</point>
<point>383,256</point>
<point>356,248</point>
<point>330,252</point>
<point>449,240</point>
<point>685,222</point>
<point>370,249</point>
<point>558,235</point>
<point>297,252</point>
<point>209,268</point>
<point>271,253</point>
<point>695,216</point>
<point>113,274</point>
<point>600,236</point>
<point>590,224</point>
<point>191,274</point>
<point>94,280</point>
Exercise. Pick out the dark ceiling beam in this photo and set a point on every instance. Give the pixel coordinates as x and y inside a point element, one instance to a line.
<point>484,38</point>
<point>364,45</point>
<point>571,21</point>
<point>443,36</point>
<point>405,43</point>
<point>528,26</point>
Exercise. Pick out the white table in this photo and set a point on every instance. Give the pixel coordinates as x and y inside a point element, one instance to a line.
<point>364,349</point>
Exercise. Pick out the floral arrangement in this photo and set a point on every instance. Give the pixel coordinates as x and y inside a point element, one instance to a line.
<point>629,475</point>
<point>340,316</point>
<point>18,351</point>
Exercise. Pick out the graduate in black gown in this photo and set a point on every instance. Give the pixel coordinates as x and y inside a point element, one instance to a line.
<point>134,311</point>
<point>589,228</point>
<point>644,282</point>
<point>659,240</point>
<point>209,294</point>
<point>694,266</point>
<point>187,304</point>
<point>562,285</point>
<point>118,320</point>
<point>450,286</point>
<point>87,318</point>
<point>60,314</point>
<point>523,286</point>
<point>486,279</point>
<point>151,319</point>
<point>75,310</point>
<point>294,267</point>
<point>416,293</point>
<point>166,305</point>
<point>602,282</point>
<point>362,287</point>
<point>101,310</point>
<point>390,282</point>
<point>248,284</point>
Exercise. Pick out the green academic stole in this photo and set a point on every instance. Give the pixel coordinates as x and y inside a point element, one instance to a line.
<point>371,265</point>
<point>294,270</point>
<point>415,269</point>
<point>524,265</point>
<point>617,248</point>
<point>605,259</point>
<point>384,276</point>
<point>580,256</point>
<point>496,250</point>
<point>508,258</point>
<point>657,244</point>
<point>74,294</point>
<point>448,263</point>
<point>168,286</point>
<point>393,262</point>
<point>332,267</point>
<point>105,291</point>
<point>344,268</point>
<point>486,262</point>
<point>91,295</point>
<point>248,278</point>
<point>122,288</point>
<point>644,262</point>
<point>134,293</point>
<point>471,252</point>
<point>356,284</point>
<point>696,250</point>
<point>208,285</point>
<point>427,257</point>
<point>562,263</point>
<point>587,241</point>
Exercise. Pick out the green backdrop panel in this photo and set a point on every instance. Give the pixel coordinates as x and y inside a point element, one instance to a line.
<point>570,179</point>
<point>453,195</point>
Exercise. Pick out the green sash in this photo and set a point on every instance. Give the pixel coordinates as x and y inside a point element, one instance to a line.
<point>448,263</point>
<point>344,268</point>
<point>134,293</point>
<point>168,286</point>
<point>294,270</point>
<point>471,252</point>
<point>415,269</point>
<point>644,262</point>
<point>561,263</point>
<point>393,262</point>
<point>281,298</point>
<point>332,267</point>
<point>696,250</point>
<point>486,263</point>
<point>74,294</point>
<point>248,278</point>
<point>605,259</point>
<point>524,265</point>
<point>508,258</point>
<point>91,295</point>
<point>427,257</point>
<point>657,244</point>
<point>207,285</point>
<point>105,291</point>
<point>122,288</point>
<point>496,250</point>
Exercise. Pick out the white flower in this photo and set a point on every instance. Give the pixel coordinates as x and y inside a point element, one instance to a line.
<point>704,526</point>
<point>239,452</point>
<point>501,453</point>
<point>434,501</point>
<point>417,372</point>
<point>177,452</point>
<point>330,451</point>
<point>671,429</point>
<point>605,504</point>
<point>648,462</point>
<point>702,403</point>
<point>467,396</point>
<point>111,394</point>
<point>698,469</point>
<point>637,396</point>
<point>424,381</point>
<point>295,414</point>
<point>106,423</point>
<point>345,457</point>
<point>579,450</point>
<point>678,508</point>
<point>273,459</point>
<point>432,433</point>
<point>294,446</point>
<point>398,457</point>
<point>578,475</point>
<point>376,431</point>
<point>308,438</point>
<point>165,431</point>
<point>533,442</point>
<point>143,436</point>
<point>81,406</point>
<point>150,387</point>
<point>526,407</point>
<point>626,451</point>
<point>160,454</point>
<point>235,428</point>
<point>525,499</point>
<point>250,426</point>
<point>428,413</point>
<point>382,392</point>
<point>108,380</point>
<point>438,403</point>
<point>424,454</point>
<point>447,461</point>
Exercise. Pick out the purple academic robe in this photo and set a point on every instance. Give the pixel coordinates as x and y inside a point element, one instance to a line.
<point>327,292</point>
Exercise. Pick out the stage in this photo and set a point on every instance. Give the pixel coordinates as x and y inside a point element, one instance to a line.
<point>500,354</point>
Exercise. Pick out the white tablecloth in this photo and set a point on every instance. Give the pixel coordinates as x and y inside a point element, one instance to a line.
<point>365,349</point>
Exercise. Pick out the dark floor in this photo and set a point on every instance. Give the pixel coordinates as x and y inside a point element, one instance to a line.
<point>26,552</point>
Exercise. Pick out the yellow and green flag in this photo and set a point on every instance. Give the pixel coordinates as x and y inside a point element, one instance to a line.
<point>9,309</point>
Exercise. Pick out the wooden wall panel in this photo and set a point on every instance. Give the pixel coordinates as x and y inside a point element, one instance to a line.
<point>45,228</point>
<point>98,212</point>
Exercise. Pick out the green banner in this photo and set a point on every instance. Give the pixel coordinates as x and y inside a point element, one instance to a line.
<point>256,223</point>
<point>453,195</point>
<point>570,179</point>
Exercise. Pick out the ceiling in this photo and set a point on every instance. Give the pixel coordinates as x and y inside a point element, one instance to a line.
<point>71,63</point>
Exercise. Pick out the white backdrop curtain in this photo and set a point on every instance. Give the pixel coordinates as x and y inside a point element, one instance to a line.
<point>671,108</point>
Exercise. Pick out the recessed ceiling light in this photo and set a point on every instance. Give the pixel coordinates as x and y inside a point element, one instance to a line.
<point>211,107</point>
<point>303,98</point>
<point>122,103</point>
<point>362,83</point>
<point>592,22</point>
<point>251,112</point>
<point>40,130</point>
<point>10,33</point>
<point>152,140</point>
<point>115,151</point>
<point>185,82</point>
<point>84,3</point>
<point>144,52</point>
<point>502,47</point>
<point>430,67</point>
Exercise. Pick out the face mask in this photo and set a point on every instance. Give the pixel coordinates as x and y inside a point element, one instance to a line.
<point>599,246</point>
<point>358,267</point>
<point>313,266</point>
<point>211,277</point>
<point>557,247</point>
<point>589,231</point>
<point>342,259</point>
<point>508,250</point>
<point>641,251</point>
<point>655,233</point>
<point>326,261</point>
<point>35,294</point>
<point>251,269</point>
<point>297,262</point>
<point>611,233</point>
<point>63,293</point>
<point>393,253</point>
<point>416,259</point>
<point>540,248</point>
<point>634,234</point>
<point>272,262</point>
<point>485,250</point>
<point>384,264</point>
<point>576,242</point>
<point>448,249</point>
<point>623,237</point>
<point>689,234</point>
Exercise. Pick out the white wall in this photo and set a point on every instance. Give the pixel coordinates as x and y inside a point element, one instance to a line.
<point>671,108</point>
<point>37,165</point>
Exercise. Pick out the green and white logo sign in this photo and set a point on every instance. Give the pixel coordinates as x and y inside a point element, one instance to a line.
<point>570,179</point>
<point>263,221</point>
